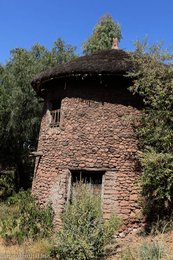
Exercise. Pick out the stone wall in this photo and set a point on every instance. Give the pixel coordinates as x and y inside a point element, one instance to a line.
<point>92,135</point>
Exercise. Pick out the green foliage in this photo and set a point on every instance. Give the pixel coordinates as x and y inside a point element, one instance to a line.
<point>157,182</point>
<point>84,234</point>
<point>151,251</point>
<point>153,80</point>
<point>22,219</point>
<point>103,34</point>
<point>7,184</point>
<point>20,110</point>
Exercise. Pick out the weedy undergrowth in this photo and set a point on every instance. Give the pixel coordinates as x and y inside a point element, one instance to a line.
<point>24,219</point>
<point>84,234</point>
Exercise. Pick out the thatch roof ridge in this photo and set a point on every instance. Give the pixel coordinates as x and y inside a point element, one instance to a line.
<point>114,62</point>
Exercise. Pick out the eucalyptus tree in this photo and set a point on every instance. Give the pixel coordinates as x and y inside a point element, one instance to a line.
<point>103,34</point>
<point>19,108</point>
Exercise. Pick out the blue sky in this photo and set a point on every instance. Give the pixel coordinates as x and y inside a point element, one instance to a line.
<point>25,22</point>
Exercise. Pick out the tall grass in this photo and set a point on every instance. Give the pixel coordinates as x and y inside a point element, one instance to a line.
<point>152,251</point>
<point>33,250</point>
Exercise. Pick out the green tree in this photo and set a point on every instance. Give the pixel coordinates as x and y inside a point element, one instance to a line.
<point>19,108</point>
<point>153,80</point>
<point>103,35</point>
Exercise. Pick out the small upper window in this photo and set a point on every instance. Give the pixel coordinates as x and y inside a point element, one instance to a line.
<point>55,111</point>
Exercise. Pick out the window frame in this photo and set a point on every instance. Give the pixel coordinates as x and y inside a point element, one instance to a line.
<point>55,113</point>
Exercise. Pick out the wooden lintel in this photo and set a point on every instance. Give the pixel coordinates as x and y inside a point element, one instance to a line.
<point>36,154</point>
<point>90,169</point>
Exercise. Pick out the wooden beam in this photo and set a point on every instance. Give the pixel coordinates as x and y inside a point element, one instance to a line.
<point>89,169</point>
<point>36,154</point>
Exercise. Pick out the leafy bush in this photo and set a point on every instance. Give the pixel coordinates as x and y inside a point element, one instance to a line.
<point>24,219</point>
<point>157,183</point>
<point>84,234</point>
<point>7,186</point>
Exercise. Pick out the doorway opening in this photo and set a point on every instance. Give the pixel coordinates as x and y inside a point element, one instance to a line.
<point>93,179</point>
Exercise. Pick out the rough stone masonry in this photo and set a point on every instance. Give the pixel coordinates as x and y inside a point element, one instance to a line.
<point>91,131</point>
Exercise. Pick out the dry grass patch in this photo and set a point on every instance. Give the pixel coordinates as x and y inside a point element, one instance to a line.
<point>28,250</point>
<point>130,246</point>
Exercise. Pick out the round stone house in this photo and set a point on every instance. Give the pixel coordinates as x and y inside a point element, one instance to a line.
<point>87,133</point>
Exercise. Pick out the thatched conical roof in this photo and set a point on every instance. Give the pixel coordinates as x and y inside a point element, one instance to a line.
<point>107,62</point>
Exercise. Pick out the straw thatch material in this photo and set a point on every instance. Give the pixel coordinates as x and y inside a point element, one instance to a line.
<point>108,62</point>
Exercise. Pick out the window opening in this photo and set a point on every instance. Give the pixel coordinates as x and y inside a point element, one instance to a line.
<point>55,112</point>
